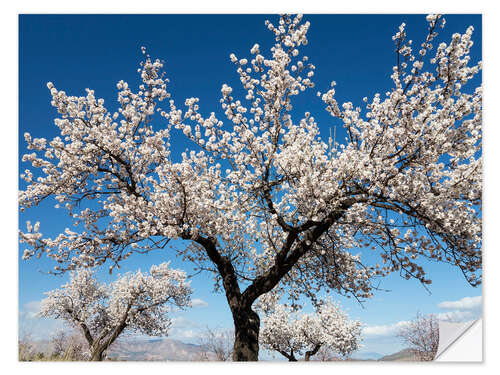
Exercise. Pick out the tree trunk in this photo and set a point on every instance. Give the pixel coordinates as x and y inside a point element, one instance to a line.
<point>246,321</point>
<point>98,353</point>
<point>246,335</point>
<point>96,350</point>
<point>103,343</point>
<point>310,353</point>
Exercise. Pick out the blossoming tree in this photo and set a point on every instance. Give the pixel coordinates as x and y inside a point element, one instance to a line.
<point>134,302</point>
<point>290,333</point>
<point>421,336</point>
<point>262,200</point>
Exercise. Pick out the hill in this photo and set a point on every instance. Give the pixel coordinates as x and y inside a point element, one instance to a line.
<point>403,355</point>
<point>366,356</point>
<point>162,349</point>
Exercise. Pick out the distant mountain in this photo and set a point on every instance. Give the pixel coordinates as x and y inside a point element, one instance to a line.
<point>131,349</point>
<point>403,355</point>
<point>165,349</point>
<point>162,349</point>
<point>366,356</point>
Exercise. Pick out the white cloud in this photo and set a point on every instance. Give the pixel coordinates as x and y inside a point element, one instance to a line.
<point>38,328</point>
<point>466,303</point>
<point>30,309</point>
<point>458,316</point>
<point>186,335</point>
<point>180,322</point>
<point>183,328</point>
<point>463,310</point>
<point>197,302</point>
<point>384,330</point>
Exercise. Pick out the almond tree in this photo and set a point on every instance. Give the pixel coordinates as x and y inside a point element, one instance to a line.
<point>261,200</point>
<point>68,346</point>
<point>219,342</point>
<point>134,302</point>
<point>422,336</point>
<point>291,333</point>
<point>26,349</point>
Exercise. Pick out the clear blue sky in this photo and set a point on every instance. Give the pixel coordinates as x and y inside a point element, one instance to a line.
<point>96,51</point>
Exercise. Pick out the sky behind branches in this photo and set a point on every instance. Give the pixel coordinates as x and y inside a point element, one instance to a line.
<point>96,51</point>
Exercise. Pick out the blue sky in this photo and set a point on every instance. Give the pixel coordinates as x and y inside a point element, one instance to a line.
<point>76,52</point>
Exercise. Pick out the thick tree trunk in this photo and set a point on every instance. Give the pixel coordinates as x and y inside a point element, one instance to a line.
<point>100,346</point>
<point>98,353</point>
<point>246,321</point>
<point>246,335</point>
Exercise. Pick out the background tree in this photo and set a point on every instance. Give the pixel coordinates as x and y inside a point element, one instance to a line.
<point>421,335</point>
<point>291,333</point>
<point>68,345</point>
<point>220,342</point>
<point>26,349</point>
<point>59,342</point>
<point>326,354</point>
<point>134,302</point>
<point>262,201</point>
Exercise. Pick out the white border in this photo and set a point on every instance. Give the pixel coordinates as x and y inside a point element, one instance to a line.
<point>9,141</point>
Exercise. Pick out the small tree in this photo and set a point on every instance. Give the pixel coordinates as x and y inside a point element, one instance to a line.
<point>422,336</point>
<point>219,342</point>
<point>326,354</point>
<point>134,302</point>
<point>26,349</point>
<point>59,342</point>
<point>289,333</point>
<point>68,346</point>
